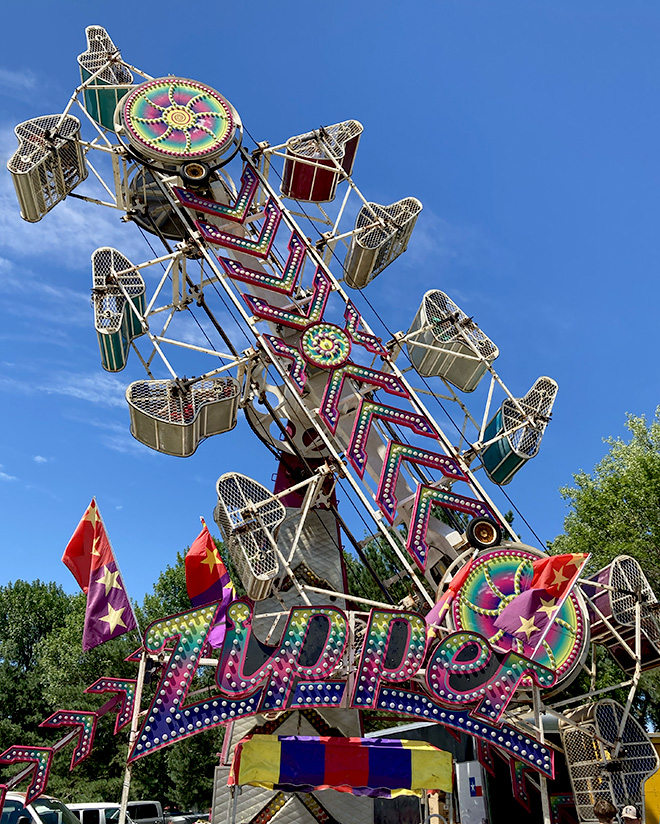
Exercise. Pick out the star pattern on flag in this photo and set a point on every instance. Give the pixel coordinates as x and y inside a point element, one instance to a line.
<point>113,619</point>
<point>91,514</point>
<point>548,607</point>
<point>527,626</point>
<point>109,579</point>
<point>212,559</point>
<point>560,578</point>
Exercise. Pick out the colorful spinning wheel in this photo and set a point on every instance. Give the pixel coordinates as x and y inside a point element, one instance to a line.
<point>174,119</point>
<point>497,575</point>
<point>325,345</point>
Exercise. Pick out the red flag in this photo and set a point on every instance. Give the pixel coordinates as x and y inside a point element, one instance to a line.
<point>557,573</point>
<point>207,580</point>
<point>530,614</point>
<point>91,560</point>
<point>438,612</point>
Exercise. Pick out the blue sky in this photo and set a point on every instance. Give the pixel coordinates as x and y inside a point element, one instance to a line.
<point>529,131</point>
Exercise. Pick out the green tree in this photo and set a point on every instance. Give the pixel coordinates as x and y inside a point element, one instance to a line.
<point>65,672</point>
<point>28,613</point>
<point>615,510</point>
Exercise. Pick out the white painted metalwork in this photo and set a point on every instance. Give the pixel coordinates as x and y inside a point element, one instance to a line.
<point>444,342</point>
<point>248,516</point>
<point>48,164</point>
<point>381,234</point>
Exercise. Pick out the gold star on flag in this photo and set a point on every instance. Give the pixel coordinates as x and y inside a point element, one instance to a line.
<point>109,579</point>
<point>548,607</point>
<point>212,558</point>
<point>560,578</point>
<point>527,626</point>
<point>91,515</point>
<point>113,618</point>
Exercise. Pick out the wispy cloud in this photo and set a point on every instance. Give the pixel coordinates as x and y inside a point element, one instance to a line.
<point>40,459</point>
<point>16,83</point>
<point>116,436</point>
<point>101,389</point>
<point>4,476</point>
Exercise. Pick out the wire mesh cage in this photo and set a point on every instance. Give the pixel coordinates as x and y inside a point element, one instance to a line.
<point>309,172</point>
<point>111,83</point>
<point>444,342</point>
<point>516,430</point>
<point>118,299</point>
<point>595,772</point>
<point>628,582</point>
<point>248,517</point>
<point>48,164</point>
<point>174,420</point>
<point>381,235</point>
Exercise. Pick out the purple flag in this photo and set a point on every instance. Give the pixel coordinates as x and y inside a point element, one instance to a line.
<point>91,560</point>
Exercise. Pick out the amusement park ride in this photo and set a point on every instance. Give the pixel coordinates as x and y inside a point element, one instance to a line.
<point>339,407</point>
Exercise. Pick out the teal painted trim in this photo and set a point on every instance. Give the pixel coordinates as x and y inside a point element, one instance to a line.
<point>500,460</point>
<point>101,103</point>
<point>115,346</point>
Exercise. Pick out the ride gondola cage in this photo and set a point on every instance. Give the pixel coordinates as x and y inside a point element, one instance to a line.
<point>105,77</point>
<point>48,164</point>
<point>444,342</point>
<point>513,435</point>
<point>248,516</point>
<point>315,161</point>
<point>620,590</point>
<point>174,417</point>
<point>118,298</point>
<point>381,234</point>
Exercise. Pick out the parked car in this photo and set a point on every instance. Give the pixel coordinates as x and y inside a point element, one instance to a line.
<point>97,813</point>
<point>146,812</point>
<point>43,810</point>
<point>151,812</point>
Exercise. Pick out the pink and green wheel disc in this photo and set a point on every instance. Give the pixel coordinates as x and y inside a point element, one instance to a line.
<point>325,345</point>
<point>174,119</point>
<point>497,576</point>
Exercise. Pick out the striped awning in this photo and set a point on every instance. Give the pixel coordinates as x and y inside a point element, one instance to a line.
<point>361,766</point>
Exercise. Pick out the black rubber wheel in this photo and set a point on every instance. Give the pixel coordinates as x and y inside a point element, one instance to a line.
<point>195,175</point>
<point>483,533</point>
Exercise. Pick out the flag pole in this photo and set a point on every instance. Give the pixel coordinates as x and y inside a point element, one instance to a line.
<point>543,781</point>
<point>133,735</point>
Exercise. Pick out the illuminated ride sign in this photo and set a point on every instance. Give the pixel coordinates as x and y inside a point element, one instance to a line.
<point>466,683</point>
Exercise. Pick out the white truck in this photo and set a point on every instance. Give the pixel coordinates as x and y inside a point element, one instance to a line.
<point>43,810</point>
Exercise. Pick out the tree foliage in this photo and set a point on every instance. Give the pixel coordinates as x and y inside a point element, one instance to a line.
<point>615,510</point>
<point>28,613</point>
<point>43,668</point>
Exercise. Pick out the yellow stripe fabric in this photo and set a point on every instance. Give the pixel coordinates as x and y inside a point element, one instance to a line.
<point>260,761</point>
<point>431,768</point>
